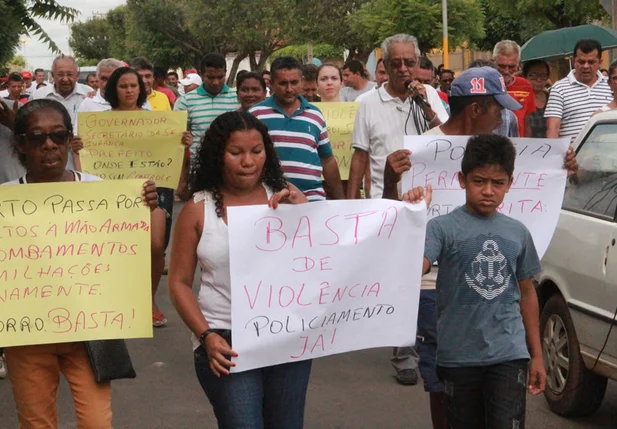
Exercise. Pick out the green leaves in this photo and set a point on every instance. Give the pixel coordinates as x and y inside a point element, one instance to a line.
<point>378,19</point>
<point>20,17</point>
<point>90,40</point>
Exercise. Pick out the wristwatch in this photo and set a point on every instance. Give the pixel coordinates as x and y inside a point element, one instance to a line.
<point>204,335</point>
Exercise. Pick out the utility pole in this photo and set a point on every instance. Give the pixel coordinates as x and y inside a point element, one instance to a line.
<point>444,15</point>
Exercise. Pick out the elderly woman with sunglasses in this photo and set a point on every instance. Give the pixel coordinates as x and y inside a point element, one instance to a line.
<point>42,138</point>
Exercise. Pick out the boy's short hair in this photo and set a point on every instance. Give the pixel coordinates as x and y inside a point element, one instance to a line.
<point>488,149</point>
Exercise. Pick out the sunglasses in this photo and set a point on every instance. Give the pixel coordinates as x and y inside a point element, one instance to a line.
<point>38,139</point>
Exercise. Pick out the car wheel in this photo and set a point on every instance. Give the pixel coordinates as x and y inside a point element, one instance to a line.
<point>571,389</point>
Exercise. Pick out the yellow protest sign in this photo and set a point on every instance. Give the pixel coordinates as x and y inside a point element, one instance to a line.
<point>340,118</point>
<point>133,145</point>
<point>74,262</point>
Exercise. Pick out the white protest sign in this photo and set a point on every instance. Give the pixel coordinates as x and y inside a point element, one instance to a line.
<point>535,196</point>
<point>317,279</point>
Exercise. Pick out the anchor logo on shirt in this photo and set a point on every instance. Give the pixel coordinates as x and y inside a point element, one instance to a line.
<point>488,272</point>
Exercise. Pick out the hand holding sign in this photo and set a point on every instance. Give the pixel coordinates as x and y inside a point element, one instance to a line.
<point>289,195</point>
<point>323,278</point>
<point>134,145</point>
<point>417,195</point>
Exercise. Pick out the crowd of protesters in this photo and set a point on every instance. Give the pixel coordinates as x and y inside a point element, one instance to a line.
<point>263,141</point>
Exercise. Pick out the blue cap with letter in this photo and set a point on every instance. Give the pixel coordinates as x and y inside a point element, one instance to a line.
<point>483,81</point>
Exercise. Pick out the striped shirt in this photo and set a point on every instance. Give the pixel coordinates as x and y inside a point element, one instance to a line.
<point>300,141</point>
<point>203,108</point>
<point>574,102</point>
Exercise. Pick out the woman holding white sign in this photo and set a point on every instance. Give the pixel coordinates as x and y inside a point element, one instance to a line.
<point>43,132</point>
<point>236,165</point>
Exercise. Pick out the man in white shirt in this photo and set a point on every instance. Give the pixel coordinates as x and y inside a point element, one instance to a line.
<point>384,117</point>
<point>104,69</point>
<point>66,90</point>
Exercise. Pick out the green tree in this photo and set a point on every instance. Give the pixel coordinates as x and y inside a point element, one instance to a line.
<point>520,20</point>
<point>90,40</point>
<point>21,16</point>
<point>559,13</point>
<point>18,61</point>
<point>300,52</point>
<point>117,20</point>
<point>378,19</point>
<point>325,22</point>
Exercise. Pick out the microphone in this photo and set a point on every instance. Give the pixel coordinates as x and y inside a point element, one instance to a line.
<point>415,95</point>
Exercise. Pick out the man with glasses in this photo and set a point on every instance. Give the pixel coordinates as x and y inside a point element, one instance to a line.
<point>387,115</point>
<point>573,99</point>
<point>507,58</point>
<point>384,117</point>
<point>66,90</point>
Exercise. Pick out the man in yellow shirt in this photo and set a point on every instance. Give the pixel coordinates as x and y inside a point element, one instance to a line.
<point>158,101</point>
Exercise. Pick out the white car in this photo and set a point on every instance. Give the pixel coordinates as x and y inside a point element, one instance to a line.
<point>577,288</point>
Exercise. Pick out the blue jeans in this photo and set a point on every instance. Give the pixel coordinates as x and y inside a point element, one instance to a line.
<point>426,342</point>
<point>271,397</point>
<point>486,397</point>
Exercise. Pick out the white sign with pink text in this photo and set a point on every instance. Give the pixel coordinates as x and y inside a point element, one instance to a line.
<point>535,196</point>
<point>317,279</point>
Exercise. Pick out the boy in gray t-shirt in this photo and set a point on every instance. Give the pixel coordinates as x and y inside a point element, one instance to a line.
<point>488,334</point>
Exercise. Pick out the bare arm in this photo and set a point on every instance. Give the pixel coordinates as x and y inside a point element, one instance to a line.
<point>426,266</point>
<point>553,126</point>
<point>531,320</point>
<point>359,161</point>
<point>333,177</point>
<point>182,266</point>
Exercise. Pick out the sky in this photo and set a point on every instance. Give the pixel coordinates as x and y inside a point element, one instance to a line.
<point>38,54</point>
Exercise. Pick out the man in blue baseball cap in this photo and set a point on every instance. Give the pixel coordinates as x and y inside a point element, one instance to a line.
<point>476,98</point>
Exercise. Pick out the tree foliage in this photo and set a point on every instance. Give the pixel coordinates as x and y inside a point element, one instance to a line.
<point>378,19</point>
<point>522,19</point>
<point>21,16</point>
<point>300,52</point>
<point>325,22</point>
<point>18,61</point>
<point>90,40</point>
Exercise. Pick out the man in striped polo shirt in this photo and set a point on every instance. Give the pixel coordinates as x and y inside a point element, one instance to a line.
<point>210,100</point>
<point>576,97</point>
<point>299,132</point>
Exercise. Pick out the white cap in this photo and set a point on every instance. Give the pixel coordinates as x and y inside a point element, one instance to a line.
<point>191,79</point>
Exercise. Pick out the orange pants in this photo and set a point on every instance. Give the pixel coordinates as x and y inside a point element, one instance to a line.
<point>34,372</point>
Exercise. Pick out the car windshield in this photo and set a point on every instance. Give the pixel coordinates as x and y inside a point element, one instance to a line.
<point>594,188</point>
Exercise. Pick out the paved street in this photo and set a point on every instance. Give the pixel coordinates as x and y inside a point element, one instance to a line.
<point>349,391</point>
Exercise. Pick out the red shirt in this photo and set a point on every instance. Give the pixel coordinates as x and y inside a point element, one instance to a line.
<point>171,95</point>
<point>443,96</point>
<point>522,92</point>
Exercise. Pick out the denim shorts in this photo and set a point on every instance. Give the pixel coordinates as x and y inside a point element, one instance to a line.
<point>426,343</point>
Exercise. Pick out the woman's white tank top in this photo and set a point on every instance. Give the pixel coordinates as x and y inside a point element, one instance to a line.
<point>213,255</point>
